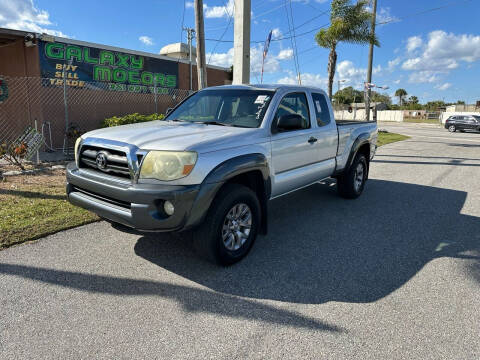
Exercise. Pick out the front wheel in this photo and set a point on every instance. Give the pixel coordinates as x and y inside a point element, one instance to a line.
<point>230,227</point>
<point>350,185</point>
<point>452,128</point>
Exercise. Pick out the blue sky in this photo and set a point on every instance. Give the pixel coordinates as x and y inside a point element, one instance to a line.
<point>432,54</point>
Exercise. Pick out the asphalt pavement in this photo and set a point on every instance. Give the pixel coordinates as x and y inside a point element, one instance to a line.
<point>394,274</point>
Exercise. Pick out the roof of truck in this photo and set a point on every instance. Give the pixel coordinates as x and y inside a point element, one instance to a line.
<point>263,87</point>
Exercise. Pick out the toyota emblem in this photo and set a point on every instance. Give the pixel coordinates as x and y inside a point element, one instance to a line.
<point>101,160</point>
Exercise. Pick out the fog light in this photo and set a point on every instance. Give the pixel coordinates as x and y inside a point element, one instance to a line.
<point>169,208</point>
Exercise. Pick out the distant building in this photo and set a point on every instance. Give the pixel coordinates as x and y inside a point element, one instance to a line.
<point>463,107</point>
<point>61,83</point>
<point>374,105</point>
<point>178,51</point>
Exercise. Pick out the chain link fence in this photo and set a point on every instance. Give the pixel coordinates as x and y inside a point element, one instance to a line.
<point>59,109</point>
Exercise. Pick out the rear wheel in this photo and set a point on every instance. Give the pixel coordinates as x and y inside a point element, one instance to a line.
<point>230,227</point>
<point>350,185</point>
<point>452,128</point>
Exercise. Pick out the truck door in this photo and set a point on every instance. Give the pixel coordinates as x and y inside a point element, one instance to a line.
<point>326,132</point>
<point>294,153</point>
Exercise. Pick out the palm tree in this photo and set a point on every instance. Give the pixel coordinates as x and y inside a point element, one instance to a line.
<point>401,93</point>
<point>413,99</point>
<point>348,23</point>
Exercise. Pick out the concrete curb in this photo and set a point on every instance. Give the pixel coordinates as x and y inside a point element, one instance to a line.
<point>409,124</point>
<point>32,171</point>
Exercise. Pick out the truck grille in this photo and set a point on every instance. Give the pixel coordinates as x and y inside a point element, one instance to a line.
<point>109,161</point>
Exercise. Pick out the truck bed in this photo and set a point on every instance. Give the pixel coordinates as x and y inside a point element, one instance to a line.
<point>352,122</point>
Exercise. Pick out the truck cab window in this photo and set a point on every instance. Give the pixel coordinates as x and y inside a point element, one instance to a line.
<point>321,109</point>
<point>295,103</point>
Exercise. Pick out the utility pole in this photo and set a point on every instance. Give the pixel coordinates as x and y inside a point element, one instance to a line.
<point>368,90</point>
<point>190,33</point>
<point>200,31</point>
<point>241,42</point>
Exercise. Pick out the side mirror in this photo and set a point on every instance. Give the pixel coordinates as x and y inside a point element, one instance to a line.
<point>169,110</point>
<point>290,122</point>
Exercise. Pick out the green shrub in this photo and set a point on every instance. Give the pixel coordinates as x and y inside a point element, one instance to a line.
<point>130,119</point>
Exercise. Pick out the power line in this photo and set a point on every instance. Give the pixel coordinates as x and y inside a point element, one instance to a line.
<point>224,32</point>
<point>183,22</point>
<point>278,39</point>
<point>423,12</point>
<point>293,41</point>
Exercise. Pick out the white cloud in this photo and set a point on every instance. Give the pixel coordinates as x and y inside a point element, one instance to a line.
<point>221,59</point>
<point>285,54</point>
<point>396,81</point>
<point>443,86</point>
<point>276,33</point>
<point>346,70</point>
<point>392,64</point>
<point>219,11</point>
<point>383,15</point>
<point>189,5</point>
<point>442,53</point>
<point>307,79</point>
<point>23,15</point>
<point>423,77</point>
<point>272,64</point>
<point>146,40</point>
<point>414,42</point>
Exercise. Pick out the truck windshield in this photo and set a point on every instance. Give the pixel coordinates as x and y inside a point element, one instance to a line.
<point>240,108</point>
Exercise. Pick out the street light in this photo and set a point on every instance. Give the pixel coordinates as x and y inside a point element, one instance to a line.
<point>339,82</point>
<point>368,87</point>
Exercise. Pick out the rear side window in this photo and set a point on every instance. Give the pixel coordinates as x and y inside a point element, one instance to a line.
<point>321,109</point>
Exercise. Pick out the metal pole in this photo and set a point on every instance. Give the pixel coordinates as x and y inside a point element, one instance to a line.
<point>370,60</point>
<point>200,31</point>
<point>65,105</point>
<point>38,153</point>
<point>190,56</point>
<point>155,91</point>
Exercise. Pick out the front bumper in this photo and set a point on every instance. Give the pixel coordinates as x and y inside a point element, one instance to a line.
<point>139,206</point>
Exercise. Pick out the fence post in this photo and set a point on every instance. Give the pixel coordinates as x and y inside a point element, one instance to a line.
<point>38,153</point>
<point>155,91</point>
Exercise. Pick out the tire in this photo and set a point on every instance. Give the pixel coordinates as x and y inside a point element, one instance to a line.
<point>452,128</point>
<point>351,184</point>
<point>213,240</point>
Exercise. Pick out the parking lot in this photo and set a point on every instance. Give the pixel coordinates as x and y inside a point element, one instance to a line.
<point>394,274</point>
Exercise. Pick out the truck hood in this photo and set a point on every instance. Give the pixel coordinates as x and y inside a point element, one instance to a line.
<point>178,136</point>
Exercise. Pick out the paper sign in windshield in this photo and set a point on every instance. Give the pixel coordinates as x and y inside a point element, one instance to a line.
<point>261,99</point>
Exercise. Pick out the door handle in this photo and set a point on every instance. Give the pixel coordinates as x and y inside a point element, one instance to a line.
<point>312,140</point>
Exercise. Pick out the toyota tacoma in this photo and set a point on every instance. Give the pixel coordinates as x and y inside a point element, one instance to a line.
<point>216,160</point>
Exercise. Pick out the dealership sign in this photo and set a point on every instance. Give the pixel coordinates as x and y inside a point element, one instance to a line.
<point>85,66</point>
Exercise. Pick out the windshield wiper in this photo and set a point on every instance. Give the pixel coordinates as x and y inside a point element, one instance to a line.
<point>179,120</point>
<point>211,123</point>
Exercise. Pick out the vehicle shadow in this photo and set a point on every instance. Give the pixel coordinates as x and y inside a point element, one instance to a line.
<point>322,248</point>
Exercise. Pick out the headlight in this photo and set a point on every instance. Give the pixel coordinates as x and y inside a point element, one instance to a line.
<point>167,165</point>
<point>77,146</point>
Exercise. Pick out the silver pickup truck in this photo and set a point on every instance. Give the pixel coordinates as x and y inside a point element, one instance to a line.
<point>215,162</point>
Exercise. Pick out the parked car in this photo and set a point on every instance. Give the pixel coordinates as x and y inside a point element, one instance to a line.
<point>462,123</point>
<point>215,162</point>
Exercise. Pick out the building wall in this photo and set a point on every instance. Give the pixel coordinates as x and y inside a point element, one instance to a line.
<point>29,100</point>
<point>215,77</point>
<point>462,108</point>
<point>18,60</point>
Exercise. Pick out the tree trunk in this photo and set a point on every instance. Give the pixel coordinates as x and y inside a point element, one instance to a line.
<point>332,63</point>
